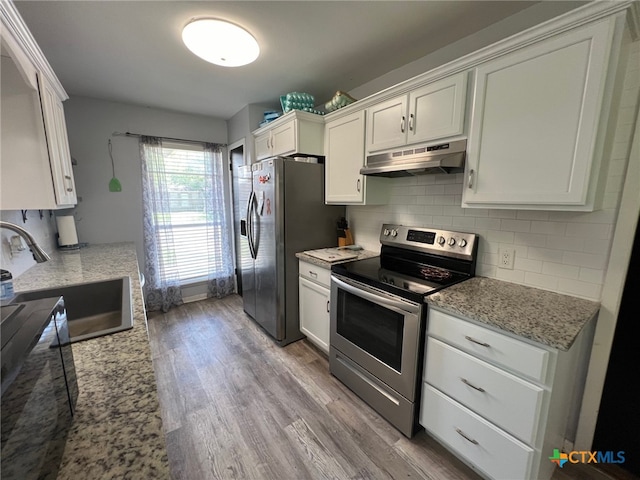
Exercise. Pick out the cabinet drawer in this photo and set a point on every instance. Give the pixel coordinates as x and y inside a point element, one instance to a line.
<point>315,273</point>
<point>500,349</point>
<point>485,447</point>
<point>506,400</point>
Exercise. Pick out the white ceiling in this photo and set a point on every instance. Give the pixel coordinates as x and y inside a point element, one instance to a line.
<point>132,51</point>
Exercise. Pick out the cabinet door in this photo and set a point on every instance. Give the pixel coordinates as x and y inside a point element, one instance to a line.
<point>437,110</point>
<point>283,139</point>
<point>57,144</point>
<point>263,146</point>
<point>344,148</point>
<point>314,313</point>
<point>387,124</point>
<point>535,120</point>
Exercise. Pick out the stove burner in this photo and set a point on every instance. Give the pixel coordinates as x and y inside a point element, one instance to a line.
<point>435,274</point>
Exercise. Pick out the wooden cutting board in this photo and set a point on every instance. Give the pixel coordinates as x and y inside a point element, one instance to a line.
<point>332,255</point>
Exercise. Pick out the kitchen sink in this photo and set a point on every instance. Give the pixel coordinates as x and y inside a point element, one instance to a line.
<point>93,309</point>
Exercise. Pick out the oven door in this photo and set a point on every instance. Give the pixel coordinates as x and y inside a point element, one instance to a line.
<point>378,331</point>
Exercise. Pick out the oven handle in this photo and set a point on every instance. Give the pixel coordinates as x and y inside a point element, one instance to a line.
<point>377,296</point>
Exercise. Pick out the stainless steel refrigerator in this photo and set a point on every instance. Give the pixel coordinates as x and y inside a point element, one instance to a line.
<point>284,213</point>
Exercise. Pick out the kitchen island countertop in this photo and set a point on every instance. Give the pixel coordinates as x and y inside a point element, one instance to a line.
<point>549,318</point>
<point>117,428</point>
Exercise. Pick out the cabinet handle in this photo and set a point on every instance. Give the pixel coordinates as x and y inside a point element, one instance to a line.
<point>313,274</point>
<point>478,342</point>
<point>466,437</point>
<point>466,382</point>
<point>402,124</point>
<point>411,122</point>
<point>69,189</point>
<point>328,306</point>
<point>358,185</point>
<point>67,177</point>
<point>470,184</point>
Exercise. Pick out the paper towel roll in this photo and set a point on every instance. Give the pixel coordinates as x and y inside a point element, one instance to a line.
<point>66,230</point>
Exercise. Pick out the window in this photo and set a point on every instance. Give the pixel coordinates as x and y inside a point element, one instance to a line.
<point>186,219</point>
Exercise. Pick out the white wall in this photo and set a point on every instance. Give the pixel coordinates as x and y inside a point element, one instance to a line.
<point>103,216</point>
<point>560,251</point>
<point>516,23</point>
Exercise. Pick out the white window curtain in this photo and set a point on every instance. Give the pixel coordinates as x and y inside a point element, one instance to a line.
<point>185,221</point>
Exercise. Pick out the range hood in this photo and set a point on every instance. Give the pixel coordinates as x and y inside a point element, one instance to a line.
<point>442,158</point>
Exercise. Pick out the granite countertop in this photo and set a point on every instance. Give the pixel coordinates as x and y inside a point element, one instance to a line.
<point>546,317</point>
<point>362,254</point>
<point>117,428</point>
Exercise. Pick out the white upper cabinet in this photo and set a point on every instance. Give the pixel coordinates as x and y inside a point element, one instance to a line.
<point>535,136</point>
<point>295,132</point>
<point>430,112</point>
<point>57,144</point>
<point>36,168</point>
<point>344,148</point>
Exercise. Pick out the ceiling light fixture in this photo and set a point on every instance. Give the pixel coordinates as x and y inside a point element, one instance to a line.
<point>220,42</point>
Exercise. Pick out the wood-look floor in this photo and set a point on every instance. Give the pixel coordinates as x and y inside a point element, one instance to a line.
<point>235,405</point>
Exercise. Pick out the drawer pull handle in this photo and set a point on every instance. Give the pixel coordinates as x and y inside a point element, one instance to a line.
<point>328,309</point>
<point>313,274</point>
<point>466,382</point>
<point>471,339</point>
<point>463,435</point>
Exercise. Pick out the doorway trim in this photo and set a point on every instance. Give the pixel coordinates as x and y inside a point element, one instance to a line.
<point>612,290</point>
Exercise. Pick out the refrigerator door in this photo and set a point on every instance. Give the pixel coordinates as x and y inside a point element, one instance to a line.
<point>247,270</point>
<point>265,222</point>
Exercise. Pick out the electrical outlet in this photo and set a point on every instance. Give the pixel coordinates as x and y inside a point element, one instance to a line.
<point>506,257</point>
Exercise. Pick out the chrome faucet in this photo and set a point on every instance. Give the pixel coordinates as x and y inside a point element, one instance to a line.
<point>39,255</point>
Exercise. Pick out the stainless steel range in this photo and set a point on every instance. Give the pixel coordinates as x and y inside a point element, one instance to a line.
<point>378,315</point>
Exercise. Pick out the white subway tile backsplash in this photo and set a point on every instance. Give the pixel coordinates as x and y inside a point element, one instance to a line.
<point>549,228</point>
<point>488,223</point>
<point>589,260</point>
<point>500,236</point>
<point>527,264</point>
<point>533,239</point>
<point>595,245</point>
<point>588,230</point>
<point>444,200</point>
<point>463,223</point>
<point>515,276</point>
<point>532,215</point>
<point>434,209</point>
<point>560,270</point>
<point>444,221</point>
<point>591,275</point>
<point>485,270</point>
<point>538,280</point>
<point>436,190</point>
<point>503,213</point>
<point>545,254</point>
<point>581,289</point>
<point>453,210</point>
<point>565,243</point>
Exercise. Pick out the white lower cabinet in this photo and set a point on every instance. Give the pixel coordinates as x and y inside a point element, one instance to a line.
<point>481,399</point>
<point>314,297</point>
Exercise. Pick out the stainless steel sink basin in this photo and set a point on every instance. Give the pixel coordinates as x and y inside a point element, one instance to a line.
<point>93,309</point>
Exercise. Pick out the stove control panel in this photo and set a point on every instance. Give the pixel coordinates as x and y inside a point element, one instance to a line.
<point>442,242</point>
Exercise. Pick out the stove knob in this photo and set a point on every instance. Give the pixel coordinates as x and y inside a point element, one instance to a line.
<point>441,240</point>
<point>386,232</point>
<point>452,241</point>
<point>394,232</point>
<point>463,243</point>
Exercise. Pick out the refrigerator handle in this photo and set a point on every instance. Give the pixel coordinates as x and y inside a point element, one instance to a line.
<point>250,225</point>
